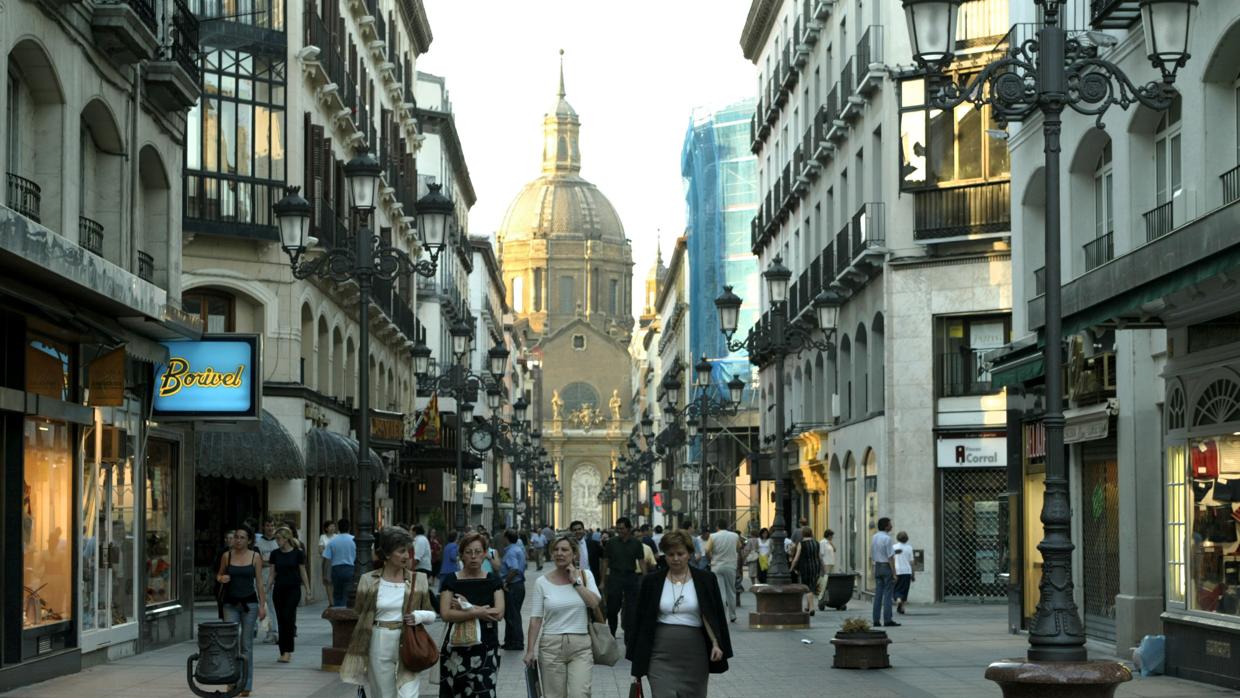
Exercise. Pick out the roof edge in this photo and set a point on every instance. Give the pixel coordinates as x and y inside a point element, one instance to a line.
<point>758,24</point>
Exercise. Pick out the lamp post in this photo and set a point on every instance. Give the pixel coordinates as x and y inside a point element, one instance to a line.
<point>769,342</point>
<point>1045,77</point>
<point>696,415</point>
<point>462,384</point>
<point>363,258</point>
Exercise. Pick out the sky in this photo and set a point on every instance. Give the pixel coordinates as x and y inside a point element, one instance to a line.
<point>634,71</point>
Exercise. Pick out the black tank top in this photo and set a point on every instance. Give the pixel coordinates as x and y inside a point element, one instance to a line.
<point>241,583</point>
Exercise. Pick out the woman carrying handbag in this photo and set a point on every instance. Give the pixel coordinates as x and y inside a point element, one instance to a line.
<point>388,599</point>
<point>473,602</point>
<point>558,639</point>
<point>681,633</point>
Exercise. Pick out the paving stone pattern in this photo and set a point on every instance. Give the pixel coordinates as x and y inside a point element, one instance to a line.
<point>941,650</point>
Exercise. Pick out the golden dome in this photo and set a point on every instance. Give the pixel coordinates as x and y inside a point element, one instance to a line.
<point>561,205</point>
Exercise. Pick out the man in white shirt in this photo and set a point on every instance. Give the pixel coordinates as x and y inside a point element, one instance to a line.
<point>724,549</point>
<point>265,542</point>
<point>421,550</point>
<point>826,551</point>
<point>882,550</point>
<point>537,544</point>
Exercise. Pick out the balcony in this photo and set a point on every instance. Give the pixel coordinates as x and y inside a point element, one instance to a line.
<point>126,31</point>
<point>956,212</point>
<point>822,9</point>
<point>1114,14</point>
<point>1099,251</point>
<point>1158,221</point>
<point>24,196</point>
<point>841,249</point>
<point>869,229</point>
<point>837,130</point>
<point>809,25</point>
<point>809,144</point>
<point>146,266</point>
<point>789,72</point>
<point>800,179</point>
<point>959,375</point>
<point>850,103</point>
<point>90,235</point>
<point>870,67</point>
<point>1039,281</point>
<point>1231,185</point>
<point>980,22</point>
<point>823,149</point>
<point>174,81</point>
<point>788,196</point>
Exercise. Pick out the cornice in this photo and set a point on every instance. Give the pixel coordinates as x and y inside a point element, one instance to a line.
<point>758,26</point>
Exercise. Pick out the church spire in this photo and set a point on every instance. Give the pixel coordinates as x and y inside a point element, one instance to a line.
<point>561,153</point>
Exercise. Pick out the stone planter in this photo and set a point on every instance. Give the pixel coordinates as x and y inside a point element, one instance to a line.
<point>866,650</point>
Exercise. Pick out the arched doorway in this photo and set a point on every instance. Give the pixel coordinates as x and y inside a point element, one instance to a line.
<point>583,496</point>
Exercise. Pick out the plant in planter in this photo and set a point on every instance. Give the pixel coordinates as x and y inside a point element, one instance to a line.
<point>858,646</point>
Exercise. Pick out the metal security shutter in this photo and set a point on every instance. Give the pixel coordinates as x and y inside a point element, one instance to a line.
<point>1099,506</point>
<point>970,534</point>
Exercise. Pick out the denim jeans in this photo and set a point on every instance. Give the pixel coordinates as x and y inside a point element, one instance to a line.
<point>247,616</point>
<point>342,577</point>
<point>884,583</point>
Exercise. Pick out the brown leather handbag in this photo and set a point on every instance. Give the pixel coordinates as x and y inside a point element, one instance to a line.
<point>417,650</point>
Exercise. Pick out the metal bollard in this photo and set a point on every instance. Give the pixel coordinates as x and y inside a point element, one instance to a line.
<point>219,660</point>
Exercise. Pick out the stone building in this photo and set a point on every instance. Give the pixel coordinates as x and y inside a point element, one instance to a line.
<point>568,270</point>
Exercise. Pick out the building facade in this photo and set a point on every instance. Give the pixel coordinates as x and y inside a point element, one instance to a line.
<point>903,210</point>
<point>568,271</point>
<point>289,95</point>
<point>1148,255</point>
<point>94,495</point>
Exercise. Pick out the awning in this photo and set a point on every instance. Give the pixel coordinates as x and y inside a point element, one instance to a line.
<point>380,468</point>
<point>1017,372</point>
<point>1089,423</point>
<point>329,454</point>
<point>268,452</point>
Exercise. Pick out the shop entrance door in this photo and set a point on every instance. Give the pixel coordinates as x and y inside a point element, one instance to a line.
<point>109,566</point>
<point>1100,538</point>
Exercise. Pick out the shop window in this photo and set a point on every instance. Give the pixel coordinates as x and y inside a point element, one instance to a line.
<point>217,310</point>
<point>160,534</point>
<point>1176,524</point>
<point>1214,568</point>
<point>47,523</point>
<point>964,342</point>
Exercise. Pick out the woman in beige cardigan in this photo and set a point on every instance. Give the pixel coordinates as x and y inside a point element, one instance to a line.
<point>373,657</point>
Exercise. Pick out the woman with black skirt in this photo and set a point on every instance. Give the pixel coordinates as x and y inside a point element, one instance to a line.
<point>680,632</point>
<point>808,565</point>
<point>465,597</point>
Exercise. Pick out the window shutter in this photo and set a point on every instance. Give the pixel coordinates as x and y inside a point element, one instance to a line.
<point>313,183</point>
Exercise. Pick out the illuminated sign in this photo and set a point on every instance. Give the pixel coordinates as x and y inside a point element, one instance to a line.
<point>214,378</point>
<point>972,451</point>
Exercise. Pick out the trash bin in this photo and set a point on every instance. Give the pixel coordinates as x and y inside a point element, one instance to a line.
<point>219,660</point>
<point>839,591</point>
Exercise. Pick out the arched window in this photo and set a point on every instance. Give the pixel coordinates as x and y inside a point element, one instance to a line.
<point>575,395</point>
<point>1168,173</point>
<point>1102,249</point>
<point>518,294</point>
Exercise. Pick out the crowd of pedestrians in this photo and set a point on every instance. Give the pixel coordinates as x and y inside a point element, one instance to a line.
<point>669,596</point>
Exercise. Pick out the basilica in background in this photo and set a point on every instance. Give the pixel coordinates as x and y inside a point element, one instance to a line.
<point>568,266</point>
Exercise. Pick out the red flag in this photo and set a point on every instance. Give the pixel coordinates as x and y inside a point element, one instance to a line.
<point>429,427</point>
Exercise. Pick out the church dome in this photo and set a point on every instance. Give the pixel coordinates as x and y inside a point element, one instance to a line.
<point>561,205</point>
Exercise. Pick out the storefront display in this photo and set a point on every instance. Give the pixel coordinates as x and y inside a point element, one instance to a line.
<point>1214,546</point>
<point>159,559</point>
<point>47,523</point>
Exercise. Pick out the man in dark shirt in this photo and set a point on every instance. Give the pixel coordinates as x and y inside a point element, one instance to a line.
<point>622,557</point>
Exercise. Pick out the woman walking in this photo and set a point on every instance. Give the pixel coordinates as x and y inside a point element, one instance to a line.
<point>466,596</point>
<point>326,533</point>
<point>903,568</point>
<point>808,564</point>
<point>559,624</point>
<point>373,657</point>
<point>680,632</point>
<point>764,554</point>
<point>245,600</point>
<point>289,562</point>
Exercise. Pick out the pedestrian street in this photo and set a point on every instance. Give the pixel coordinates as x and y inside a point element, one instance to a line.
<point>940,650</point>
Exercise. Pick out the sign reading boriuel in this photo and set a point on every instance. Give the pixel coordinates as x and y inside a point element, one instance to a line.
<point>217,377</point>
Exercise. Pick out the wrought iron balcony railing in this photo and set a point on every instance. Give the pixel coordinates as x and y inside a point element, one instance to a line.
<point>1099,251</point>
<point>146,266</point>
<point>1231,185</point>
<point>145,9</point>
<point>185,47</point>
<point>959,211</point>
<point>869,227</point>
<point>958,375</point>
<point>24,196</point>
<point>1158,221</point>
<point>1039,281</point>
<point>90,235</point>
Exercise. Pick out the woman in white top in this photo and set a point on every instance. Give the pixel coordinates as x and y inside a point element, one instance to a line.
<point>373,657</point>
<point>559,624</point>
<point>327,533</point>
<point>904,569</point>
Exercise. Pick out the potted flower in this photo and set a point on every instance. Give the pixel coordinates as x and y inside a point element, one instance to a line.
<point>857,646</point>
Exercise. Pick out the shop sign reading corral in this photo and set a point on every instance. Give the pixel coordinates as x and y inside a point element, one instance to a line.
<point>972,451</point>
<point>214,378</point>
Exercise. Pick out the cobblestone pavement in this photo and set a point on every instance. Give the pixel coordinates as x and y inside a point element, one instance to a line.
<point>941,650</point>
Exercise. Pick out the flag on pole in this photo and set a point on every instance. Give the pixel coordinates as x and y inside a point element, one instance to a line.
<point>428,429</point>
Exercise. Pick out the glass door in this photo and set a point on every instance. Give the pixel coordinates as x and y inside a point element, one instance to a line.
<point>108,563</point>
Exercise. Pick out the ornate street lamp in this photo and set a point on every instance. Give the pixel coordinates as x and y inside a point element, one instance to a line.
<point>434,218</point>
<point>1045,77</point>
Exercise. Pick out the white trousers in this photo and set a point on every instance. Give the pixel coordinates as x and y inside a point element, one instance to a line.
<point>388,678</point>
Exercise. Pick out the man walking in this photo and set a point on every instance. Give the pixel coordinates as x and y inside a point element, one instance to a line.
<point>623,557</point>
<point>341,552</point>
<point>537,544</point>
<point>588,550</point>
<point>882,549</point>
<point>421,550</point>
<point>512,571</point>
<point>724,548</point>
<point>265,542</point>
